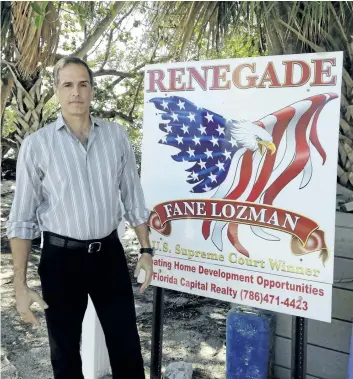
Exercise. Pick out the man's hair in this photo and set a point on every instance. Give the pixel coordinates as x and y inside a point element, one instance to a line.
<point>63,62</point>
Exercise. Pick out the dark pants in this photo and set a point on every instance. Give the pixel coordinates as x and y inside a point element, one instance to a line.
<point>67,277</point>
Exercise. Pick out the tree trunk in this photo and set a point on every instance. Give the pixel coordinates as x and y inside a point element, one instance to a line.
<point>29,107</point>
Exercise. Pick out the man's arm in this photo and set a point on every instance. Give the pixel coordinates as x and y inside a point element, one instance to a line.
<point>135,209</point>
<point>146,261</point>
<point>25,297</point>
<point>23,227</point>
<point>142,233</point>
<point>20,249</point>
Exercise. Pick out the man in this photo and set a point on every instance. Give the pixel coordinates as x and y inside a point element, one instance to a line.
<point>70,175</point>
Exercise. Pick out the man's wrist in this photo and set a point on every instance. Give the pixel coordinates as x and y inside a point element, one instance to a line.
<point>20,289</point>
<point>147,250</point>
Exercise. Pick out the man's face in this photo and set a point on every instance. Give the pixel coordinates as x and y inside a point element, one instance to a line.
<point>74,90</point>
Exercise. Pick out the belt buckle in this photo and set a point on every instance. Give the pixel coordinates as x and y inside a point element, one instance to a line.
<point>91,247</point>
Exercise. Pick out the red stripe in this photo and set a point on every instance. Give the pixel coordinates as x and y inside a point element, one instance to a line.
<point>245,176</point>
<point>314,138</point>
<point>302,151</point>
<point>233,238</point>
<point>259,123</point>
<point>283,116</point>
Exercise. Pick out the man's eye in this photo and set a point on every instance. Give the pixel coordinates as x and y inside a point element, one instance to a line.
<point>84,84</point>
<point>67,85</point>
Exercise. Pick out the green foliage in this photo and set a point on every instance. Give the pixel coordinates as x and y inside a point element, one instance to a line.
<point>39,9</point>
<point>126,46</point>
<point>9,125</point>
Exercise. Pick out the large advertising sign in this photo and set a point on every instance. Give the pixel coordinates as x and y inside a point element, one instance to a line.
<point>239,165</point>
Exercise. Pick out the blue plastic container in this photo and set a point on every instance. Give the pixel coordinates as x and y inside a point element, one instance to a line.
<point>249,341</point>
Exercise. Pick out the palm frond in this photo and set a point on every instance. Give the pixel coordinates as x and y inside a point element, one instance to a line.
<point>35,41</point>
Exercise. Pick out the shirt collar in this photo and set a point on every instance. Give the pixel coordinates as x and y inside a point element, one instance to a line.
<point>60,122</point>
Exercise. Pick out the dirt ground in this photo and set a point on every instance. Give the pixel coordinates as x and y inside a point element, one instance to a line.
<point>194,327</point>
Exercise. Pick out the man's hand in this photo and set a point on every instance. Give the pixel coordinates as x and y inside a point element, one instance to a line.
<point>25,297</point>
<point>146,263</point>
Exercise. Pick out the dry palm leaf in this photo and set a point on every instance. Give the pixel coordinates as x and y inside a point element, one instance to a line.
<point>36,31</point>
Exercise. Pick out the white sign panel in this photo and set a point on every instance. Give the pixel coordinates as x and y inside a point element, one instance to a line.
<point>239,170</point>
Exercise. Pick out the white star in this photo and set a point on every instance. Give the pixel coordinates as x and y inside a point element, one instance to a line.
<point>164,139</point>
<point>196,140</point>
<point>202,129</point>
<point>202,164</point>
<point>181,105</point>
<point>174,116</point>
<point>185,129</point>
<point>214,141</point>
<point>164,104</point>
<point>233,142</point>
<point>168,128</point>
<point>179,139</point>
<point>220,130</point>
<point>209,153</point>
<point>191,117</point>
<point>209,117</point>
<point>213,178</point>
<point>206,188</point>
<point>191,152</point>
<point>194,176</point>
<point>227,154</point>
<point>220,165</point>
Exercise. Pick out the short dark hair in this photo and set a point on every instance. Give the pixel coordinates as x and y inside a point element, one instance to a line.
<point>63,62</point>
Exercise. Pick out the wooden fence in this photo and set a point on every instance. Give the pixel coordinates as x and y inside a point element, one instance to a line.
<point>327,344</point>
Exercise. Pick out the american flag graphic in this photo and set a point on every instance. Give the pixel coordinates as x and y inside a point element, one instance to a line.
<point>240,159</point>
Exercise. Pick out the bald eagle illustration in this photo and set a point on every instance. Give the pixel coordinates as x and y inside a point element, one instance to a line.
<point>240,159</point>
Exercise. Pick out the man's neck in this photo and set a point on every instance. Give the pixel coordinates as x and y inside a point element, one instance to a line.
<point>78,124</point>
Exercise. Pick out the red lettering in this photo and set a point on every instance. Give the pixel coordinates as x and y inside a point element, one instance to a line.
<point>251,80</point>
<point>194,74</point>
<point>217,76</point>
<point>319,72</point>
<point>173,79</point>
<point>269,76</point>
<point>289,77</point>
<point>155,77</point>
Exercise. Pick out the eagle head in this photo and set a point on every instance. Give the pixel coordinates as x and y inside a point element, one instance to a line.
<point>251,136</point>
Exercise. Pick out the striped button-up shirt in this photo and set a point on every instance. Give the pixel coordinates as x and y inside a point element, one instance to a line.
<point>78,192</point>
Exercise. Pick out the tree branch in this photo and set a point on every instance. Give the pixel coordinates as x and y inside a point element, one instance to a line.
<point>125,15</point>
<point>121,74</point>
<point>112,114</point>
<point>136,97</point>
<point>100,29</point>
<point>107,51</point>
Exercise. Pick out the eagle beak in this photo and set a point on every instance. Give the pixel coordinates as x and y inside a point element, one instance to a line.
<point>266,145</point>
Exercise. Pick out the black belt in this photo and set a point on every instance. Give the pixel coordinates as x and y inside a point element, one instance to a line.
<point>92,246</point>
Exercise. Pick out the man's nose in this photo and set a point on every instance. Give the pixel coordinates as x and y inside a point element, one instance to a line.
<point>75,91</point>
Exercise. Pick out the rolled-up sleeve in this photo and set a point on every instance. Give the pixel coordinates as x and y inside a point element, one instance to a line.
<point>131,191</point>
<point>22,222</point>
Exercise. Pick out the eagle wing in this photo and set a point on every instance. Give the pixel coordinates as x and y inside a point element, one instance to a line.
<point>203,138</point>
